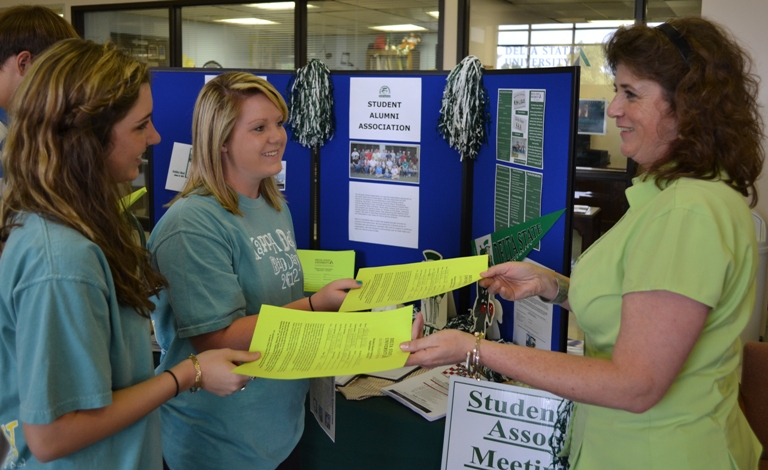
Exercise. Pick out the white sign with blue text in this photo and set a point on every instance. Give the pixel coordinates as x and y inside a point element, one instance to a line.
<point>498,426</point>
<point>385,108</point>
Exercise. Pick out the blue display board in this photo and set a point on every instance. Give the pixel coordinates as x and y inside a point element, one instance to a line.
<point>174,92</point>
<point>439,184</point>
<point>561,86</point>
<point>441,173</point>
<point>440,214</point>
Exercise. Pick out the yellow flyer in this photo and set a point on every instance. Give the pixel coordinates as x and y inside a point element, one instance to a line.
<point>322,266</point>
<point>392,285</point>
<point>296,344</point>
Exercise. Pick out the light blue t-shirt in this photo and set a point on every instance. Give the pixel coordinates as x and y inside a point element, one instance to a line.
<point>221,267</point>
<point>66,345</point>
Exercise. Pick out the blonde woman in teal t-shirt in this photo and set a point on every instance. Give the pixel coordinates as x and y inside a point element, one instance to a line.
<point>663,296</point>
<point>226,246</point>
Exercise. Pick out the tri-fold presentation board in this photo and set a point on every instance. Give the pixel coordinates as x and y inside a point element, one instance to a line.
<point>388,120</point>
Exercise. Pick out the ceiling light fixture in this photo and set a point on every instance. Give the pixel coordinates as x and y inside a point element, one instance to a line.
<point>434,14</point>
<point>276,6</point>
<point>273,6</point>
<point>246,21</point>
<point>398,28</point>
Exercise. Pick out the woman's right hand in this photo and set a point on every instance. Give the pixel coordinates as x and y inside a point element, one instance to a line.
<point>518,280</point>
<point>216,366</point>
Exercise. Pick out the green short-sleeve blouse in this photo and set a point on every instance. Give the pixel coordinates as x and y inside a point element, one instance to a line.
<point>695,238</point>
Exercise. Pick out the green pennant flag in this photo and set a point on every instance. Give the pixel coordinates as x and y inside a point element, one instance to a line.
<point>514,243</point>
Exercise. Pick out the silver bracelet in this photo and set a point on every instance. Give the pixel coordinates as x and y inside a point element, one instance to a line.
<point>562,292</point>
<point>473,358</point>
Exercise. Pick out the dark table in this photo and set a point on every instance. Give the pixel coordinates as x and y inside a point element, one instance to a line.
<point>588,224</point>
<point>375,433</point>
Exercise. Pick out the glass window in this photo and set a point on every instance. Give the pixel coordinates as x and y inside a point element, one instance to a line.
<point>513,38</point>
<point>592,36</point>
<point>374,35</point>
<point>552,26</point>
<point>239,36</point>
<point>551,37</point>
<point>513,27</point>
<point>142,33</point>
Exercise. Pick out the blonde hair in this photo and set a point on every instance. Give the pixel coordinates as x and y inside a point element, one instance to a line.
<point>55,155</point>
<point>216,111</point>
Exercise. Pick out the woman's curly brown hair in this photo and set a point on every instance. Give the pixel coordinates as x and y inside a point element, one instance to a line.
<point>713,97</point>
<point>55,155</point>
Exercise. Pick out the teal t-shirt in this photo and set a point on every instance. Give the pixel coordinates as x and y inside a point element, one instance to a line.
<point>221,267</point>
<point>67,345</point>
<point>695,238</point>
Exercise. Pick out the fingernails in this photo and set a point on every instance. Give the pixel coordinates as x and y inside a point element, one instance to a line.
<point>359,283</point>
<point>404,346</point>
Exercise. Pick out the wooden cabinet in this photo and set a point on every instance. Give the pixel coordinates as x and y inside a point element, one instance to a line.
<point>603,188</point>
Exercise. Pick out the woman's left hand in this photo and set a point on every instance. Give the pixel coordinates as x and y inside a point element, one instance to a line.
<point>331,296</point>
<point>438,349</point>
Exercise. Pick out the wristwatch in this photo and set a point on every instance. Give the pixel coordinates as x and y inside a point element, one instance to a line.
<point>562,292</point>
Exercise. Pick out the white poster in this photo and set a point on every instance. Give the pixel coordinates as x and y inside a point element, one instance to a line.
<point>386,214</point>
<point>385,108</point>
<point>520,126</point>
<point>533,322</point>
<point>181,158</point>
<point>322,399</point>
<point>491,425</point>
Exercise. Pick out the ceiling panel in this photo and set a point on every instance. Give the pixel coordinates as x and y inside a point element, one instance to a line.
<point>358,15</point>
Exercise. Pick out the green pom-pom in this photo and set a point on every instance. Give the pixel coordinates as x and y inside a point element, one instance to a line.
<point>310,102</point>
<point>465,111</point>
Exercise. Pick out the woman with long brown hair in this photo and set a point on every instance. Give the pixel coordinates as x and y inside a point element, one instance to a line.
<point>78,386</point>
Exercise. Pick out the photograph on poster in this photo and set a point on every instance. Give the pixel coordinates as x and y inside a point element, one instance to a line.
<point>592,116</point>
<point>519,146</point>
<point>519,99</point>
<point>384,161</point>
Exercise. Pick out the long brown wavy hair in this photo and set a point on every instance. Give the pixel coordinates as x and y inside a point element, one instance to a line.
<point>55,156</point>
<point>216,111</point>
<point>713,97</point>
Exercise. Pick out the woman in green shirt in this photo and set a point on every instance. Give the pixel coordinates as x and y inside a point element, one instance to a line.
<point>663,296</point>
